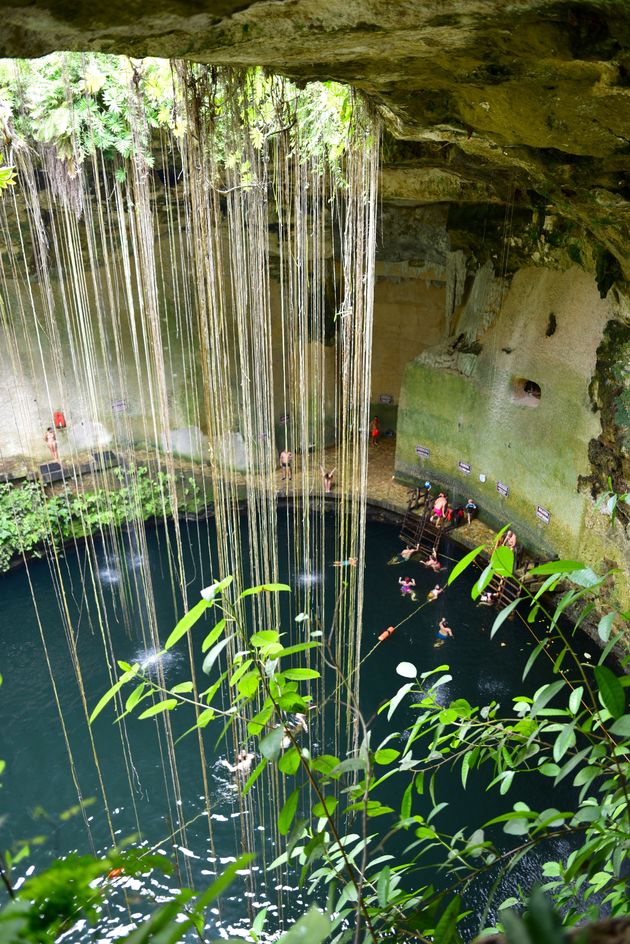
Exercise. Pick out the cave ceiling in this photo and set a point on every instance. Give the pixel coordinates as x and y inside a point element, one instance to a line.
<point>516,103</point>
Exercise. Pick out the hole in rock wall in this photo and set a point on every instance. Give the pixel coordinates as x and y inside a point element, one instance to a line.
<point>526,392</point>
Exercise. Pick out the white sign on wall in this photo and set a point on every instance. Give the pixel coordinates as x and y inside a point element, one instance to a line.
<point>503,489</point>
<point>423,452</point>
<point>464,467</point>
<point>543,514</point>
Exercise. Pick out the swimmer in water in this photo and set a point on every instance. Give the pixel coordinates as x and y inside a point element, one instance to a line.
<point>487,599</point>
<point>433,562</point>
<point>243,763</point>
<point>297,724</point>
<point>434,594</point>
<point>407,585</point>
<point>443,633</point>
<point>405,555</point>
<point>350,562</point>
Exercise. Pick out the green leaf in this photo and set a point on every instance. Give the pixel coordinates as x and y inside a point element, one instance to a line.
<point>605,625</point>
<point>621,727</point>
<point>265,587</point>
<point>167,704</point>
<point>186,623</point>
<point>300,647</point>
<point>610,690</point>
<point>213,655</point>
<point>290,761</point>
<point>312,928</point>
<point>398,697</point>
<point>253,777</point>
<point>544,695</point>
<point>325,808</point>
<point>287,813</point>
<point>382,886</point>
<point>110,693</point>
<point>503,615</point>
<point>563,742</point>
<point>386,755</point>
<point>271,744</point>
<point>575,699</point>
<point>446,928</point>
<point>135,696</point>
<point>301,675</point>
<point>465,562</point>
<point>405,806</point>
<point>209,593</point>
<point>264,638</point>
<point>556,567</point>
<point>248,684</point>
<point>181,688</point>
<point>502,561</point>
<point>213,635</point>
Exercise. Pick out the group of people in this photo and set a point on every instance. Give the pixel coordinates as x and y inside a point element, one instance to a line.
<point>286,468</point>
<point>447,515</point>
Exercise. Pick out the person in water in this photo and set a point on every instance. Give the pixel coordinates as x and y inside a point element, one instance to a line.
<point>350,562</point>
<point>51,441</point>
<point>443,633</point>
<point>407,585</point>
<point>243,763</point>
<point>293,727</point>
<point>433,562</point>
<point>487,598</point>
<point>434,594</point>
<point>328,477</point>
<point>405,555</point>
<point>286,458</point>
<point>375,430</point>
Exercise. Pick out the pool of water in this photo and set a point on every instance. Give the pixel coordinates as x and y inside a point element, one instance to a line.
<point>41,788</point>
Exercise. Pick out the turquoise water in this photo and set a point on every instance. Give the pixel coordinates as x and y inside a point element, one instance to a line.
<point>39,787</point>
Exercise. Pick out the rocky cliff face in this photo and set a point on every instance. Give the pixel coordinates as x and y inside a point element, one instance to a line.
<point>506,150</point>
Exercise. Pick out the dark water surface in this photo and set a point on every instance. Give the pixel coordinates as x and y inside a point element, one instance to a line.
<point>39,787</point>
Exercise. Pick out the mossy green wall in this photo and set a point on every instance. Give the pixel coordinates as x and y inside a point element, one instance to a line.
<point>538,451</point>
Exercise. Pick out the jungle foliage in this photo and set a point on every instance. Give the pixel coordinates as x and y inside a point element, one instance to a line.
<point>32,521</point>
<point>82,104</point>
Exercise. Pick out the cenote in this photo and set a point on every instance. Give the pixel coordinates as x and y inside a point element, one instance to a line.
<point>259,330</point>
<point>41,794</point>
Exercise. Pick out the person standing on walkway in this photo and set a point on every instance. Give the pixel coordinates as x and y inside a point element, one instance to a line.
<point>286,458</point>
<point>51,441</point>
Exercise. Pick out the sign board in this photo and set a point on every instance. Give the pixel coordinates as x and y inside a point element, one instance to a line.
<point>284,419</point>
<point>119,406</point>
<point>543,514</point>
<point>423,452</point>
<point>464,467</point>
<point>386,398</point>
<point>503,489</point>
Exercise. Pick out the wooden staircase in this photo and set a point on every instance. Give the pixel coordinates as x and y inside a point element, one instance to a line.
<point>506,588</point>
